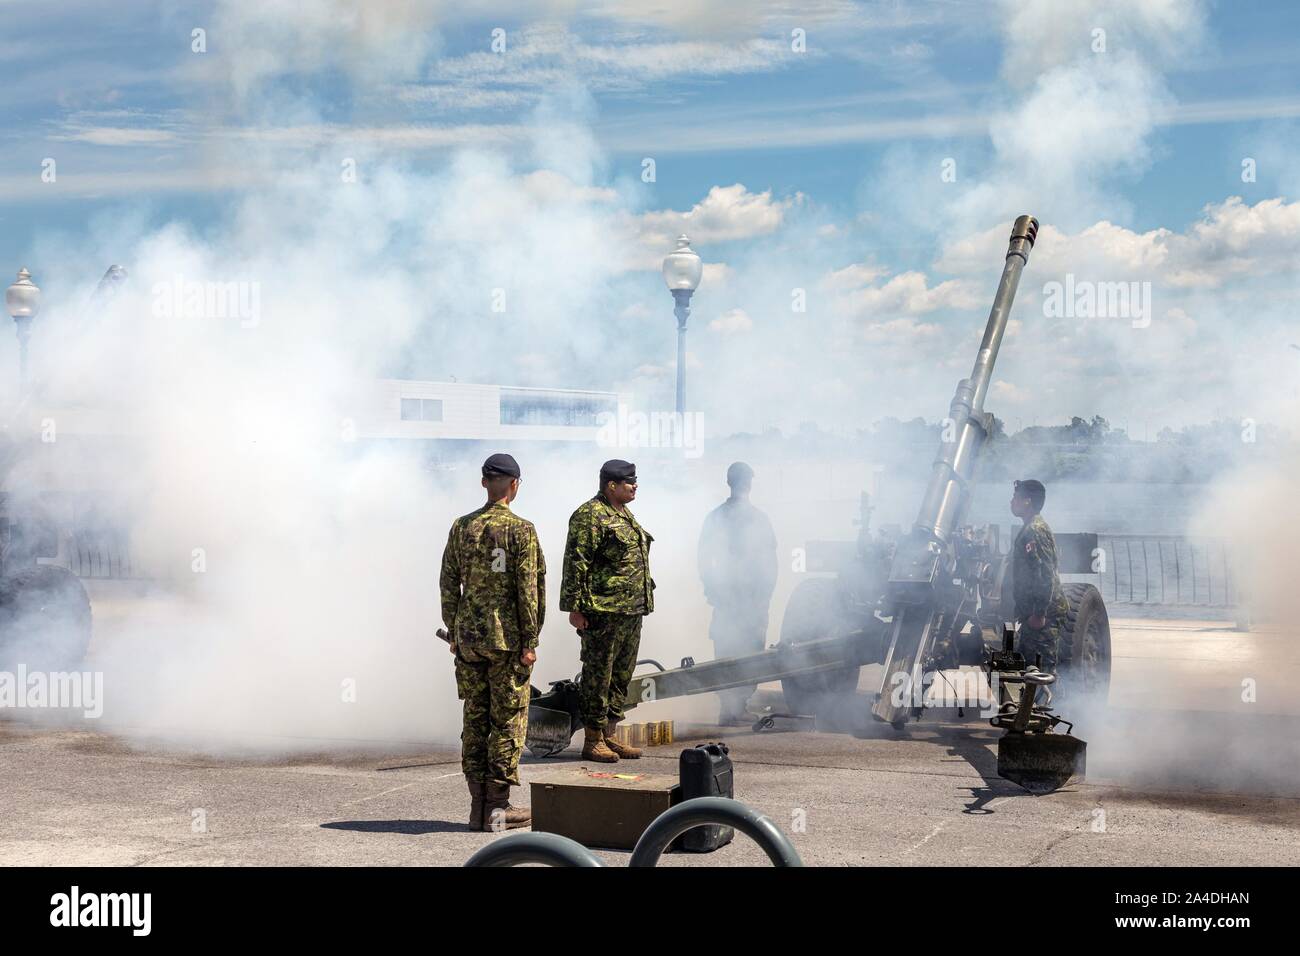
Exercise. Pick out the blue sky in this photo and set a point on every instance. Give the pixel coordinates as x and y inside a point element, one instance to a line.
<point>831,156</point>
<point>810,123</point>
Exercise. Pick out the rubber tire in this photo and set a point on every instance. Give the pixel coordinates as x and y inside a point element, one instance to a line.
<point>45,619</point>
<point>1083,661</point>
<point>816,609</point>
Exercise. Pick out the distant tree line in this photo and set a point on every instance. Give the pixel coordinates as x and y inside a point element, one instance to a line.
<point>1084,449</point>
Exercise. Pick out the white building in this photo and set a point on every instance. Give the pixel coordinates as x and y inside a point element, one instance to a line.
<point>455,410</point>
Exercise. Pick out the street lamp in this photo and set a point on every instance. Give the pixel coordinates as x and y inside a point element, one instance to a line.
<point>682,271</point>
<point>23,300</point>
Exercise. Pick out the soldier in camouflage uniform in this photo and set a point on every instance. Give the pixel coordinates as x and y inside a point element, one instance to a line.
<point>1036,587</point>
<point>493,587</point>
<point>607,590</point>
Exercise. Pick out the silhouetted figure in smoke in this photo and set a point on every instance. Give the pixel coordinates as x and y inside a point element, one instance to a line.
<point>737,557</point>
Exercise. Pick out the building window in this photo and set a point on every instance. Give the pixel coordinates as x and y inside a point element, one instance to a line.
<point>422,409</point>
<point>523,406</point>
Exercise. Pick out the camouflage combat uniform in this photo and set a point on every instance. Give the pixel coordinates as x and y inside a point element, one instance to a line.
<point>607,578</point>
<point>493,587</point>
<point>737,557</point>
<point>1037,590</point>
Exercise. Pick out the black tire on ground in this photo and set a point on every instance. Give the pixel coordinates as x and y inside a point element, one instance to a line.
<point>816,609</point>
<point>45,619</point>
<point>1083,664</point>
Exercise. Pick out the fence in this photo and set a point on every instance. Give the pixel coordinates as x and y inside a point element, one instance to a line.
<point>1167,569</point>
<point>99,554</point>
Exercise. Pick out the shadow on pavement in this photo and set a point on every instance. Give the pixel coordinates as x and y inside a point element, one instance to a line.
<point>398,826</point>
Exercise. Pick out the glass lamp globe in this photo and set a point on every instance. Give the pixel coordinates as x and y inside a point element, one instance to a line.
<point>682,267</point>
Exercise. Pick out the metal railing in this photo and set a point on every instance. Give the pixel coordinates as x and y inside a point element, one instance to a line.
<point>1167,569</point>
<point>100,555</point>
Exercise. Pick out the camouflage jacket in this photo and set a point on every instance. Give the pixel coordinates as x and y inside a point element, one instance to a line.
<point>737,556</point>
<point>606,562</point>
<point>493,580</point>
<point>1035,583</point>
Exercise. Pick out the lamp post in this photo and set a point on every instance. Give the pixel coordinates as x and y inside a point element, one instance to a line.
<point>682,271</point>
<point>23,300</point>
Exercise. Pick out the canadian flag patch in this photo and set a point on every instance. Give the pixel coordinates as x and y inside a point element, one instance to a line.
<point>1030,546</point>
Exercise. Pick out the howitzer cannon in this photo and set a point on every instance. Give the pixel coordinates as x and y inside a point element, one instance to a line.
<point>929,601</point>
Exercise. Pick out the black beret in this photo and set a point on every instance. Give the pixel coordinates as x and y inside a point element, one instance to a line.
<point>616,469</point>
<point>501,464</point>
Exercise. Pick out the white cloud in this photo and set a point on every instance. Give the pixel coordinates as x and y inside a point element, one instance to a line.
<point>539,58</point>
<point>727,213</point>
<point>1231,240</point>
<point>855,276</point>
<point>263,39</point>
<point>903,336</point>
<point>457,96</point>
<point>715,274</point>
<point>910,293</point>
<point>118,136</point>
<point>732,322</point>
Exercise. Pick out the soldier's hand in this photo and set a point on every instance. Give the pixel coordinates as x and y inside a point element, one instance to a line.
<point>1037,622</point>
<point>578,620</point>
<point>528,658</point>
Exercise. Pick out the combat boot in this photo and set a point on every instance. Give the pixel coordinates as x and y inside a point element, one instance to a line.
<point>595,748</point>
<point>498,814</point>
<point>475,803</point>
<point>624,751</point>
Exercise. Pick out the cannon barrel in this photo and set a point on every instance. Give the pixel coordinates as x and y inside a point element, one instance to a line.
<point>924,556</point>
<point>945,499</point>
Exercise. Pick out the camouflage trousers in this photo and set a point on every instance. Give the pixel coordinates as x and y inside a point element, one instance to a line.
<point>1046,641</point>
<point>736,630</point>
<point>495,688</point>
<point>609,647</point>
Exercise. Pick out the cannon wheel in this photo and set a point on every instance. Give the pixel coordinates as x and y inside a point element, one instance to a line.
<point>1083,663</point>
<point>815,610</point>
<point>45,618</point>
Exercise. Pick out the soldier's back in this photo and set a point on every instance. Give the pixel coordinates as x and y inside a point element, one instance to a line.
<point>491,543</point>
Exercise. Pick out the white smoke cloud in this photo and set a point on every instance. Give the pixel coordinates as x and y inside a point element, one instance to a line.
<point>1040,37</point>
<point>303,565</point>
